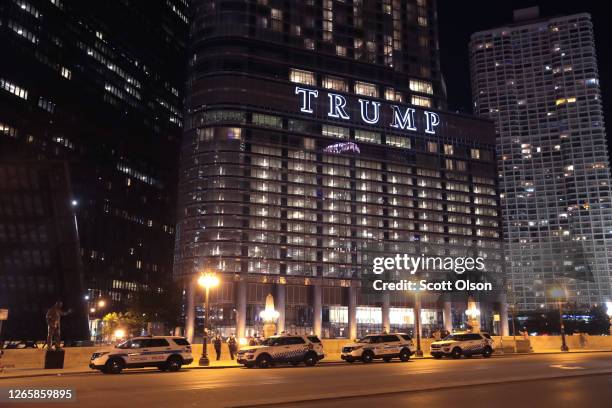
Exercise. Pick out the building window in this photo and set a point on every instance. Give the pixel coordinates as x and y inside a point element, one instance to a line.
<point>341,50</point>
<point>366,136</point>
<point>364,88</point>
<point>267,120</point>
<point>475,153</point>
<point>425,87</point>
<point>277,20</point>
<point>299,76</point>
<point>14,89</point>
<point>66,73</point>
<point>421,101</point>
<point>432,147</point>
<point>448,150</point>
<point>393,95</point>
<point>335,131</point>
<point>8,130</point>
<point>398,141</point>
<point>335,83</point>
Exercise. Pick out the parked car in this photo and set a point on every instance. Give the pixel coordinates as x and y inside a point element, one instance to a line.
<point>168,353</point>
<point>292,349</point>
<point>463,344</point>
<point>384,346</point>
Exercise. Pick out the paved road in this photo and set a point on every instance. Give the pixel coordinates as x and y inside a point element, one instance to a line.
<point>440,382</point>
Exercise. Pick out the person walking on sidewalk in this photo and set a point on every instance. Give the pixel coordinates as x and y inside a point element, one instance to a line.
<point>217,345</point>
<point>232,344</point>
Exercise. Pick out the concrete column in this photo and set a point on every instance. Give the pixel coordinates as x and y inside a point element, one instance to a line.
<point>280,300</point>
<point>417,314</point>
<point>241,306</point>
<point>317,307</point>
<point>503,315</point>
<point>352,312</point>
<point>190,308</point>
<point>386,318</point>
<point>447,316</point>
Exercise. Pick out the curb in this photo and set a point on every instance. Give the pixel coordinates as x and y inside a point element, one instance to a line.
<point>326,363</point>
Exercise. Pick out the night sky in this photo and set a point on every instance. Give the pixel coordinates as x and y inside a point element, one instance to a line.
<point>459,19</point>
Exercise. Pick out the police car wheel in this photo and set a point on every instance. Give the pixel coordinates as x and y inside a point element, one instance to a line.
<point>263,361</point>
<point>486,353</point>
<point>310,359</point>
<point>114,366</point>
<point>404,355</point>
<point>174,364</point>
<point>367,357</point>
<point>456,353</point>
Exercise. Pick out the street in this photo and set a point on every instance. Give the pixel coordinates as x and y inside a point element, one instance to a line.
<point>502,381</point>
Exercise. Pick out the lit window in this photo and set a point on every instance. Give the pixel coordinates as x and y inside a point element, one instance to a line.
<point>66,73</point>
<point>417,85</point>
<point>475,153</point>
<point>432,147</point>
<point>448,150</point>
<point>421,101</point>
<point>14,89</point>
<point>335,131</point>
<point>393,95</point>
<point>365,136</point>
<point>335,83</point>
<point>302,77</point>
<point>364,88</point>
<point>341,50</point>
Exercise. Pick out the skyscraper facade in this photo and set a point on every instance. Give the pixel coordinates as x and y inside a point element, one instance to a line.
<point>98,85</point>
<point>313,136</point>
<point>537,79</point>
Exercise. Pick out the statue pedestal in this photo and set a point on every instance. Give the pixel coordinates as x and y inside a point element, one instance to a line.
<point>54,359</point>
<point>475,325</point>
<point>269,329</point>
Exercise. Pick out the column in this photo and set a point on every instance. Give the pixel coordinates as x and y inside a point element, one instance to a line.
<point>317,306</point>
<point>503,315</point>
<point>241,303</point>
<point>352,312</point>
<point>190,307</point>
<point>280,307</point>
<point>447,315</point>
<point>386,318</point>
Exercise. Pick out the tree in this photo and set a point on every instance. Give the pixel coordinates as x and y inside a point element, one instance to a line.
<point>131,323</point>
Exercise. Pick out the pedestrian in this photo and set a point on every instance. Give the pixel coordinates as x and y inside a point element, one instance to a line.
<point>217,345</point>
<point>437,335</point>
<point>252,341</point>
<point>232,345</point>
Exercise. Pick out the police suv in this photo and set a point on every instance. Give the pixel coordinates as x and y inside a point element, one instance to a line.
<point>292,349</point>
<point>168,353</point>
<point>463,344</point>
<point>385,346</point>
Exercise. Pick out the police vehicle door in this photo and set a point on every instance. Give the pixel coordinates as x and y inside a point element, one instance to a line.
<point>156,349</point>
<point>392,344</point>
<point>135,352</point>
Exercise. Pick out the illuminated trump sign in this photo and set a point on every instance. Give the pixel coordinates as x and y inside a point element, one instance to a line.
<point>402,118</point>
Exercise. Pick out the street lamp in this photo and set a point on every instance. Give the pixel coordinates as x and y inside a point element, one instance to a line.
<point>207,280</point>
<point>101,303</point>
<point>558,294</point>
<point>417,322</point>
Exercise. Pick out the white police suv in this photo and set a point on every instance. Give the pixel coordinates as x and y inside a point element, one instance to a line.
<point>168,353</point>
<point>384,346</point>
<point>463,344</point>
<point>292,349</point>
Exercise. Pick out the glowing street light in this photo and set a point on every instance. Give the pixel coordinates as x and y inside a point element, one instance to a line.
<point>119,333</point>
<point>101,303</point>
<point>207,280</point>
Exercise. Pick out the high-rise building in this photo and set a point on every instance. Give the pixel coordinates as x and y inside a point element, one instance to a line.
<point>98,85</point>
<point>313,136</point>
<point>537,79</point>
<point>40,261</point>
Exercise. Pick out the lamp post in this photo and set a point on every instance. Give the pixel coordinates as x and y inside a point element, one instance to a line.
<point>207,280</point>
<point>558,293</point>
<point>417,322</point>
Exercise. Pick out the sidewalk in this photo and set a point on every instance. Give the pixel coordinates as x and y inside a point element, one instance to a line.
<point>330,360</point>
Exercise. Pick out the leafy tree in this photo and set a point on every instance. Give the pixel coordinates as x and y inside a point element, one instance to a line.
<point>130,322</point>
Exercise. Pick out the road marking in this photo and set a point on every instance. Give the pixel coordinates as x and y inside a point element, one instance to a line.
<point>564,367</point>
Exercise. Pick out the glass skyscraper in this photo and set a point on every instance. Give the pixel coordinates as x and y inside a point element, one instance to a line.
<point>537,78</point>
<point>314,135</point>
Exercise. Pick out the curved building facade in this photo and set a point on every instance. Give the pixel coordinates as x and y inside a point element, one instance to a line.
<point>313,141</point>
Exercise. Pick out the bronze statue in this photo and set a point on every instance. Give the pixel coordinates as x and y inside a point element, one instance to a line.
<point>54,315</point>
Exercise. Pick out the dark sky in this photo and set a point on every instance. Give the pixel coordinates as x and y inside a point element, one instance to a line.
<point>459,19</point>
